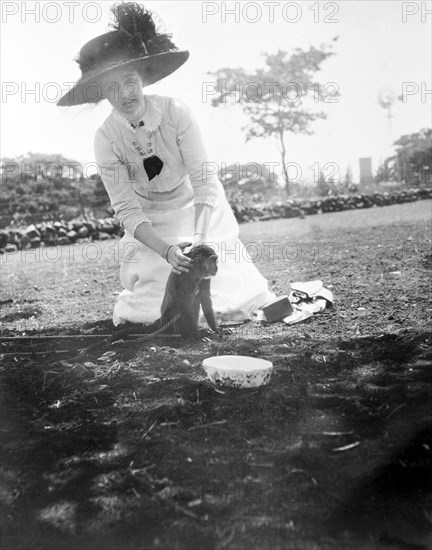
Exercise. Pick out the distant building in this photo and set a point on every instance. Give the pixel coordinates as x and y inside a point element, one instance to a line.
<point>366,175</point>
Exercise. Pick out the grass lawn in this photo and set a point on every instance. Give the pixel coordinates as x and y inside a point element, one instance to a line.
<point>135,449</point>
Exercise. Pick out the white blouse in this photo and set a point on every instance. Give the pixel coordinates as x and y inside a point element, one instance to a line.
<point>170,131</point>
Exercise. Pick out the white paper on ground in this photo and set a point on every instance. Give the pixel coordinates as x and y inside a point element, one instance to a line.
<point>297,316</point>
<point>326,294</point>
<point>313,307</point>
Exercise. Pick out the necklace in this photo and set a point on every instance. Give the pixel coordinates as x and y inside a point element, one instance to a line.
<point>140,149</point>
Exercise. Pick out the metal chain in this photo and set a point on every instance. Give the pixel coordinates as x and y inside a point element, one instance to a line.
<point>148,336</point>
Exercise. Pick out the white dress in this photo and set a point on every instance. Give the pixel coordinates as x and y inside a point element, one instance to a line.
<point>168,202</point>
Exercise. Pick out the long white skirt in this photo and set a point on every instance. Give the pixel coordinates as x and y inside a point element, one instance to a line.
<point>237,290</point>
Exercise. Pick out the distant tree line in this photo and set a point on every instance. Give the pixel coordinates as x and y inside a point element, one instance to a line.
<point>40,187</point>
<point>37,187</point>
<point>412,161</point>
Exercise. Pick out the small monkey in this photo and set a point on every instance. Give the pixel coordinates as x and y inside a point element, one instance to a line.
<point>187,292</point>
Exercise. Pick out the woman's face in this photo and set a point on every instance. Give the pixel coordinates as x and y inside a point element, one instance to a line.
<point>123,89</point>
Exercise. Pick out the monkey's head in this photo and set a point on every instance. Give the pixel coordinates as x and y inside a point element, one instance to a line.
<point>204,261</point>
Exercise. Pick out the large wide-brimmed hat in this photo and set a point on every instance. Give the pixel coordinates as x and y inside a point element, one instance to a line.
<point>135,43</point>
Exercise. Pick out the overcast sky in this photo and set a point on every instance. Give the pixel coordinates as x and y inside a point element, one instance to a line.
<point>382,44</point>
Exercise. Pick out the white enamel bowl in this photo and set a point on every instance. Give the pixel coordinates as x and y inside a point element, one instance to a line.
<point>238,371</point>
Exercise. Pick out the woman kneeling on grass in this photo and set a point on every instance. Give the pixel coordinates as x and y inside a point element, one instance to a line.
<point>152,161</point>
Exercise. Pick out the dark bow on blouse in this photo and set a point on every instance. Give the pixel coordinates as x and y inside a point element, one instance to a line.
<point>153,166</point>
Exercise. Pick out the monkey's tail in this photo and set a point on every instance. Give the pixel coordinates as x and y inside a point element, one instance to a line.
<point>119,337</point>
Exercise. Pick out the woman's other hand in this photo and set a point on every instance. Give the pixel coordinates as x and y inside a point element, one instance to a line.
<point>177,259</point>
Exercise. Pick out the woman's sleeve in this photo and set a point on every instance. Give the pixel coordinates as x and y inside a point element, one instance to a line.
<point>116,179</point>
<point>189,140</point>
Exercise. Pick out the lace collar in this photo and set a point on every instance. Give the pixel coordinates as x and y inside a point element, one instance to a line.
<point>152,117</point>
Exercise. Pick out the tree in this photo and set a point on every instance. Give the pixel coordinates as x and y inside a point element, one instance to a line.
<point>275,98</point>
<point>348,179</point>
<point>413,157</point>
<point>412,162</point>
<point>39,186</point>
<point>385,172</point>
<point>348,185</point>
<point>323,188</point>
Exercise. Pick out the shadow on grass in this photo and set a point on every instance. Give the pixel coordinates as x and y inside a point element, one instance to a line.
<point>139,448</point>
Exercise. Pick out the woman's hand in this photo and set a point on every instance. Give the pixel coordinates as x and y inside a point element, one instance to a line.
<point>177,259</point>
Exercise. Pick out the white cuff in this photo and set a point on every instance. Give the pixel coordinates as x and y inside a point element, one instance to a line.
<point>202,198</point>
<point>132,225</point>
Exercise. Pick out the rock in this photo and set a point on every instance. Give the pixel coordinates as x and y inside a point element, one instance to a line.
<point>51,240</point>
<point>14,237</point>
<point>72,235</point>
<point>61,229</point>
<point>4,237</point>
<point>35,242</point>
<point>63,241</point>
<point>62,232</point>
<point>103,236</point>
<point>108,228</point>
<point>76,225</point>
<point>49,229</point>
<point>90,225</point>
<point>32,232</point>
<point>24,242</point>
<point>83,232</point>
<point>115,222</point>
<point>9,248</point>
<point>296,213</point>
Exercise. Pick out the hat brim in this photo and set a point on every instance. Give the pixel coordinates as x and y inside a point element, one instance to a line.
<point>152,68</point>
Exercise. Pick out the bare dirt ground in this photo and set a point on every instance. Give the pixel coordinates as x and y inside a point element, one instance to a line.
<point>135,449</point>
